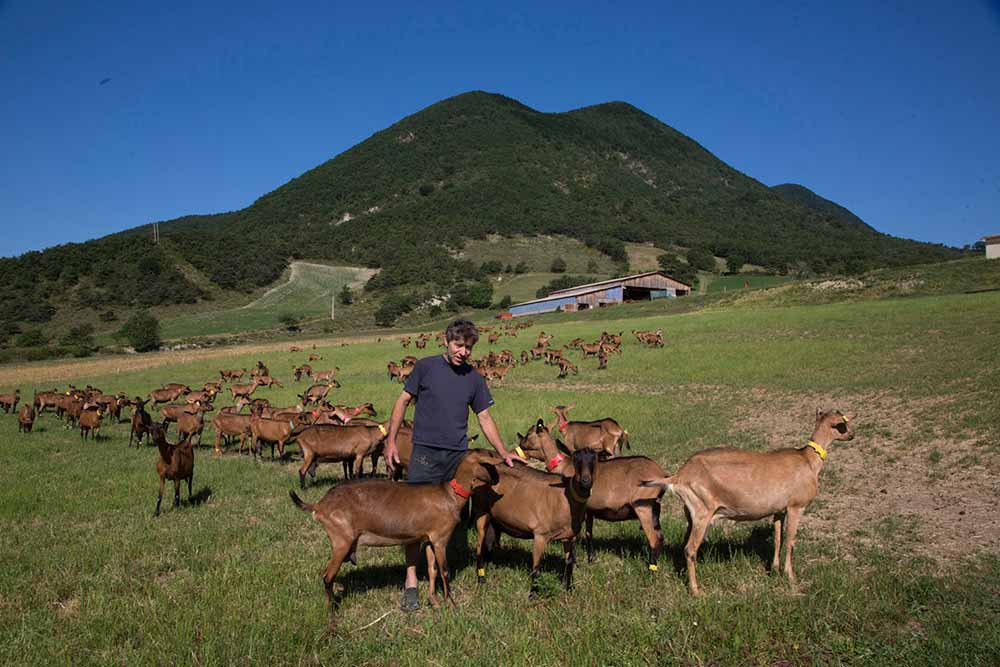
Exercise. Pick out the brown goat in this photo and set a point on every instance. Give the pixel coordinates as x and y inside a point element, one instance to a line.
<point>141,421</point>
<point>189,425</point>
<point>230,425</point>
<point>176,462</point>
<point>166,394</point>
<point>9,401</point>
<point>565,366</point>
<point>244,390</point>
<point>603,434</point>
<point>90,421</point>
<point>26,418</point>
<point>747,486</point>
<point>380,512</point>
<point>327,376</point>
<point>530,504</point>
<point>326,443</point>
<point>275,431</point>
<point>299,371</point>
<point>618,493</point>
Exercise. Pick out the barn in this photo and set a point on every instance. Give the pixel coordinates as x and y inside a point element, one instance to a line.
<point>638,287</point>
<point>992,246</point>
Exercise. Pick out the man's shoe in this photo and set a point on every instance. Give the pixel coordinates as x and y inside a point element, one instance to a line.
<point>410,601</point>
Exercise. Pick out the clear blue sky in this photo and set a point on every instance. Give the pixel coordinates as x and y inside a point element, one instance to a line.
<point>120,113</point>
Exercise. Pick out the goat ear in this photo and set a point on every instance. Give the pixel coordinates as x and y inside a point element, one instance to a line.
<point>562,448</point>
<point>520,437</point>
<point>492,471</point>
<point>603,456</point>
<point>540,424</point>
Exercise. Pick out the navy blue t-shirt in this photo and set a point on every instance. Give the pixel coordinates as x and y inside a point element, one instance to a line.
<point>444,395</point>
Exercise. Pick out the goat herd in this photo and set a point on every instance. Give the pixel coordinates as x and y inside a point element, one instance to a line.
<point>584,476</point>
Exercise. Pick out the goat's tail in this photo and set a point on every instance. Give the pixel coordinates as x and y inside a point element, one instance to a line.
<point>662,482</point>
<point>625,444</point>
<point>304,506</point>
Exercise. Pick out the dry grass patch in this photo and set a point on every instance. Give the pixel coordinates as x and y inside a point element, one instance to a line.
<point>887,488</point>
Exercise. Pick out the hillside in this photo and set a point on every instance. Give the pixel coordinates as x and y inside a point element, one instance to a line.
<point>406,199</point>
<point>803,196</point>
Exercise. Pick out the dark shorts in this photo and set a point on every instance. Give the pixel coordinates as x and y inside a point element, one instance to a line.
<point>432,465</point>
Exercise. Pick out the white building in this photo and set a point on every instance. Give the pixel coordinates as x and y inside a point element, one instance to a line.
<point>992,246</point>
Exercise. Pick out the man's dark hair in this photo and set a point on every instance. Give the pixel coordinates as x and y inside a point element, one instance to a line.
<point>462,329</point>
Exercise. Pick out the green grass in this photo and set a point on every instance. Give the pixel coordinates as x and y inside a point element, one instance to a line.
<point>729,283</point>
<point>537,252</point>
<point>89,577</point>
<point>306,295</point>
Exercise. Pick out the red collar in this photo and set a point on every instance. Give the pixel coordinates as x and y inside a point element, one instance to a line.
<point>563,425</point>
<point>459,490</point>
<point>358,410</point>
<point>553,462</point>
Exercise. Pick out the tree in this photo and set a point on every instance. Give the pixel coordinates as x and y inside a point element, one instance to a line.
<point>701,259</point>
<point>346,297</point>
<point>505,302</point>
<point>491,267</point>
<point>734,263</point>
<point>142,331</point>
<point>558,265</point>
<point>521,267</point>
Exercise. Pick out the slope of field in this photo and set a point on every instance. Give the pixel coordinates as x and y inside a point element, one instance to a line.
<point>305,294</point>
<point>897,557</point>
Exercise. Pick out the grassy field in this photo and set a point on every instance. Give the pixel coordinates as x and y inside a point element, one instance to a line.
<point>306,294</point>
<point>537,252</point>
<point>728,283</point>
<point>898,558</point>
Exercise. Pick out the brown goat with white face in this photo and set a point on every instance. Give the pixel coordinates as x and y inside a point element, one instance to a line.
<point>747,486</point>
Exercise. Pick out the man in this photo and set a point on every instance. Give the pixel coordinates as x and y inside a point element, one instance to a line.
<point>445,387</point>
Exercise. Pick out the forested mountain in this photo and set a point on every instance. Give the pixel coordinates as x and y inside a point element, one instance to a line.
<point>468,166</point>
<point>805,197</point>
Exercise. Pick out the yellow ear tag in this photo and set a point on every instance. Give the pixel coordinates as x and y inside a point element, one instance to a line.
<point>481,572</point>
<point>845,418</point>
<point>652,567</point>
<point>520,452</point>
<point>382,429</point>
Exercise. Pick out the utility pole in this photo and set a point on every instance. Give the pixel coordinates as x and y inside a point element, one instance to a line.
<point>333,305</point>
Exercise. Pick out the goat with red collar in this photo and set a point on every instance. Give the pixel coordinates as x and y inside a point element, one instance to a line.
<point>605,435</point>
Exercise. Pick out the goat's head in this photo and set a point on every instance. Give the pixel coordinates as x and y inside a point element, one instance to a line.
<point>584,469</point>
<point>835,423</point>
<point>478,468</point>
<point>537,443</point>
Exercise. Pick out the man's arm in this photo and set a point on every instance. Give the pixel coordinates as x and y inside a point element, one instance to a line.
<point>489,428</point>
<point>398,411</point>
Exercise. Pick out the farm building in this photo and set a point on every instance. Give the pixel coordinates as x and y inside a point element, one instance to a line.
<point>992,246</point>
<point>639,287</point>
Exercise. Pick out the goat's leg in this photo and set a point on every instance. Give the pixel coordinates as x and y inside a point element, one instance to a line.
<point>339,552</point>
<point>650,526</point>
<point>778,520</point>
<point>347,472</point>
<point>307,459</point>
<point>482,523</point>
<point>437,550</point>
<point>190,482</point>
<point>177,492</point>
<point>699,518</point>
<point>159,498</point>
<point>537,551</point>
<point>569,551</point>
<point>792,516</point>
<point>588,537</point>
<point>359,464</point>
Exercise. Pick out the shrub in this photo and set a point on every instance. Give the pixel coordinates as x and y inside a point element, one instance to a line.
<point>734,263</point>
<point>491,267</point>
<point>473,295</point>
<point>558,265</point>
<point>346,297</point>
<point>505,302</point>
<point>701,259</point>
<point>521,268</point>
<point>142,331</point>
<point>393,307</point>
<point>31,338</point>
<point>107,316</point>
